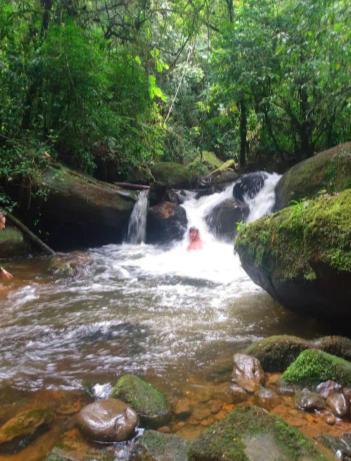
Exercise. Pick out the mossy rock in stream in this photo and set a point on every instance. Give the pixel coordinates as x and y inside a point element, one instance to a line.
<point>18,431</point>
<point>329,171</point>
<point>313,367</point>
<point>12,243</point>
<point>172,174</point>
<point>155,446</point>
<point>276,353</point>
<point>150,403</point>
<point>58,454</point>
<point>252,434</point>
<point>302,255</point>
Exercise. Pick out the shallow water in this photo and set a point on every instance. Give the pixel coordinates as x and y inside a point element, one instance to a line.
<point>161,312</point>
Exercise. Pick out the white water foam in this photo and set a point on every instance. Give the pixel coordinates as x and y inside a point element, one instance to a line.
<point>137,221</point>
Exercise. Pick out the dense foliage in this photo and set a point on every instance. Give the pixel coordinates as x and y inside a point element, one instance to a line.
<point>107,86</point>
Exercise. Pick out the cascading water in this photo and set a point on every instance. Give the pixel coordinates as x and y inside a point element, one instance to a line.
<point>137,221</point>
<point>137,308</point>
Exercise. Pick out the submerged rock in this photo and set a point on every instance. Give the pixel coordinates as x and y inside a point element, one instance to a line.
<point>224,218</point>
<point>155,446</point>
<point>302,255</point>
<point>150,403</point>
<point>238,394</point>
<point>329,170</point>
<point>313,366</point>
<point>247,372</point>
<point>166,221</point>
<point>24,426</point>
<point>251,433</point>
<point>276,353</point>
<point>59,454</point>
<point>108,420</point>
<point>267,398</point>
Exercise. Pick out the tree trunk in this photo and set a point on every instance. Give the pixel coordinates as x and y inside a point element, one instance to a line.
<point>230,7</point>
<point>243,133</point>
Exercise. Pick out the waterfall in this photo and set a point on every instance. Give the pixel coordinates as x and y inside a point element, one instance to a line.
<point>137,221</point>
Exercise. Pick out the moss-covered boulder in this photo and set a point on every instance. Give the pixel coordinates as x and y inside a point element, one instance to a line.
<point>90,454</point>
<point>329,171</point>
<point>277,352</point>
<point>155,446</point>
<point>252,434</point>
<point>172,174</point>
<point>313,367</point>
<point>18,431</point>
<point>12,243</point>
<point>150,403</point>
<point>302,255</point>
<point>78,211</point>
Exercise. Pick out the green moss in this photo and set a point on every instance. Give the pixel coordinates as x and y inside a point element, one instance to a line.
<point>155,446</point>
<point>330,171</point>
<point>24,424</point>
<point>147,401</point>
<point>11,234</point>
<point>172,174</point>
<point>229,439</point>
<point>297,239</point>
<point>277,352</point>
<point>313,366</point>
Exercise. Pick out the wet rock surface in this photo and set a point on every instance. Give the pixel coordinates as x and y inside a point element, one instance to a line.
<point>108,420</point>
<point>338,404</point>
<point>23,427</point>
<point>247,433</point>
<point>307,400</point>
<point>150,403</point>
<point>155,446</point>
<point>277,352</point>
<point>247,372</point>
<point>166,222</point>
<point>224,218</point>
<point>328,387</point>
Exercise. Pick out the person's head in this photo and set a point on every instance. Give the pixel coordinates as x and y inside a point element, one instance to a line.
<point>2,221</point>
<point>194,234</point>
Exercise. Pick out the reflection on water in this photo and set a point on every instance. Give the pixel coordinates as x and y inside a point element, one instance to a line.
<point>133,308</point>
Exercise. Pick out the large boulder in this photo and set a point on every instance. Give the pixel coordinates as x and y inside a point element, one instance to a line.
<point>224,218</point>
<point>155,446</point>
<point>302,255</point>
<point>249,185</point>
<point>78,211</point>
<point>276,353</point>
<point>150,403</point>
<point>252,434</point>
<point>328,171</point>
<point>172,174</point>
<point>109,420</point>
<point>313,366</point>
<point>166,221</point>
<point>13,243</point>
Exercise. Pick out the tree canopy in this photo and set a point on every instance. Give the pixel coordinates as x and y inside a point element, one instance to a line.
<point>107,86</point>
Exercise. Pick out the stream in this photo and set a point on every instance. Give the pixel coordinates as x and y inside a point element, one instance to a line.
<point>162,312</point>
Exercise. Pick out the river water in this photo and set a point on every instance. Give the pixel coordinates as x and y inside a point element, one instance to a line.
<point>162,312</point>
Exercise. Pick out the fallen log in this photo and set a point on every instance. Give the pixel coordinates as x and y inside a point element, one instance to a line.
<point>131,186</point>
<point>36,240</point>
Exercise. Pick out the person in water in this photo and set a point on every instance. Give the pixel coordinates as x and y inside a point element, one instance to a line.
<point>195,242</point>
<point>4,275</point>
